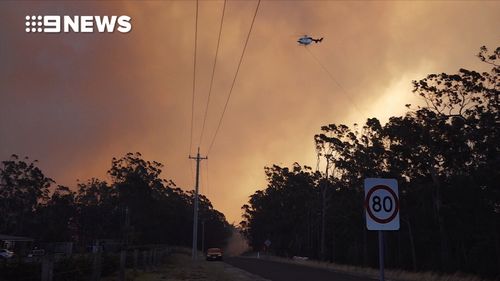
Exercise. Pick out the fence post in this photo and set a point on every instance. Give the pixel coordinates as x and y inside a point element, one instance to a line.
<point>144,260</point>
<point>155,257</point>
<point>123,256</point>
<point>136,258</point>
<point>48,267</point>
<point>96,264</point>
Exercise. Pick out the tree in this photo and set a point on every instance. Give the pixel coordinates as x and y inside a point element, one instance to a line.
<point>55,219</point>
<point>285,212</point>
<point>445,156</point>
<point>97,215</point>
<point>23,188</point>
<point>154,209</point>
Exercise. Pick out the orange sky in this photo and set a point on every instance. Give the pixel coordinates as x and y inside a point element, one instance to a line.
<point>74,101</point>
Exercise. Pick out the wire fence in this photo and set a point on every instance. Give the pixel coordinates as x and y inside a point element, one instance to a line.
<point>84,266</point>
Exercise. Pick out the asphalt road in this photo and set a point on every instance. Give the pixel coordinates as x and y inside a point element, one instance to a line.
<point>277,271</point>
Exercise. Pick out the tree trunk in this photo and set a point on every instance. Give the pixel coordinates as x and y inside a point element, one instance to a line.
<point>333,247</point>
<point>323,213</point>
<point>440,219</point>
<point>498,242</point>
<point>412,246</point>
<point>323,224</point>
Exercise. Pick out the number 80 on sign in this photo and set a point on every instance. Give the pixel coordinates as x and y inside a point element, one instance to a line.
<point>381,204</point>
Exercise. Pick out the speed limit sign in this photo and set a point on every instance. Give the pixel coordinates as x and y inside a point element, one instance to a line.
<point>381,204</point>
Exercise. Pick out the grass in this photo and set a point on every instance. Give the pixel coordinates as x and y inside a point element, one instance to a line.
<point>390,274</point>
<point>180,267</point>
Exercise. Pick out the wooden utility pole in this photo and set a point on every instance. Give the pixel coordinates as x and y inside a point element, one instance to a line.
<point>195,215</point>
<point>203,235</point>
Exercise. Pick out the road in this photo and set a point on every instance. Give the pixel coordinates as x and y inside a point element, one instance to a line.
<point>277,271</point>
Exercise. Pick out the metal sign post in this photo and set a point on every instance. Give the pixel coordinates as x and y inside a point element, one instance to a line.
<point>381,254</point>
<point>381,211</point>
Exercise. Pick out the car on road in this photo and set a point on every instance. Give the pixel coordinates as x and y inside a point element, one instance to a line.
<point>214,254</point>
<point>6,254</point>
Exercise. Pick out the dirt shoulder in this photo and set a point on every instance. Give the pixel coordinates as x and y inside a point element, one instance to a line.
<point>180,267</point>
<point>390,274</point>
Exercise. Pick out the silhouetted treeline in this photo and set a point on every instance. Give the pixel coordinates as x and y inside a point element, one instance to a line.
<point>445,157</point>
<point>137,207</point>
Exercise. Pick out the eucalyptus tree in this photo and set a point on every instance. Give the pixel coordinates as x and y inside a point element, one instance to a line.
<point>23,189</point>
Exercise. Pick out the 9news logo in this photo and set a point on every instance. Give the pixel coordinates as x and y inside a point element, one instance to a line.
<point>84,24</point>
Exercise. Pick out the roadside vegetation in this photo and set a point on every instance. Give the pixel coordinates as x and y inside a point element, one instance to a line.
<point>179,266</point>
<point>390,274</point>
<point>445,157</point>
<point>137,207</point>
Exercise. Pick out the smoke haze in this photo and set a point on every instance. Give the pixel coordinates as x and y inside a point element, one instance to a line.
<point>73,101</point>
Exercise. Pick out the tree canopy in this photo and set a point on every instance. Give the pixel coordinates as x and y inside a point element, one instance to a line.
<point>136,207</point>
<point>445,156</point>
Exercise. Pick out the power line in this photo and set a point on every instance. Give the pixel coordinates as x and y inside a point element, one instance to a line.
<point>194,78</point>
<point>346,94</point>
<point>213,73</point>
<point>204,186</point>
<point>208,182</point>
<point>234,79</point>
<point>192,172</point>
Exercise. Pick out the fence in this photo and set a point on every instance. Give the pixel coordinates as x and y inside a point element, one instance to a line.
<point>84,267</point>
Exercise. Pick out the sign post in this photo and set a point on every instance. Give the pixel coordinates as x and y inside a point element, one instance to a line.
<point>381,255</point>
<point>267,244</point>
<point>381,210</point>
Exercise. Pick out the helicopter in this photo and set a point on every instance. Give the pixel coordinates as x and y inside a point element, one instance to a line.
<point>306,40</point>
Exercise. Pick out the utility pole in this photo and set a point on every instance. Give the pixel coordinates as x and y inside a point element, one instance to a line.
<point>203,235</point>
<point>195,215</point>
